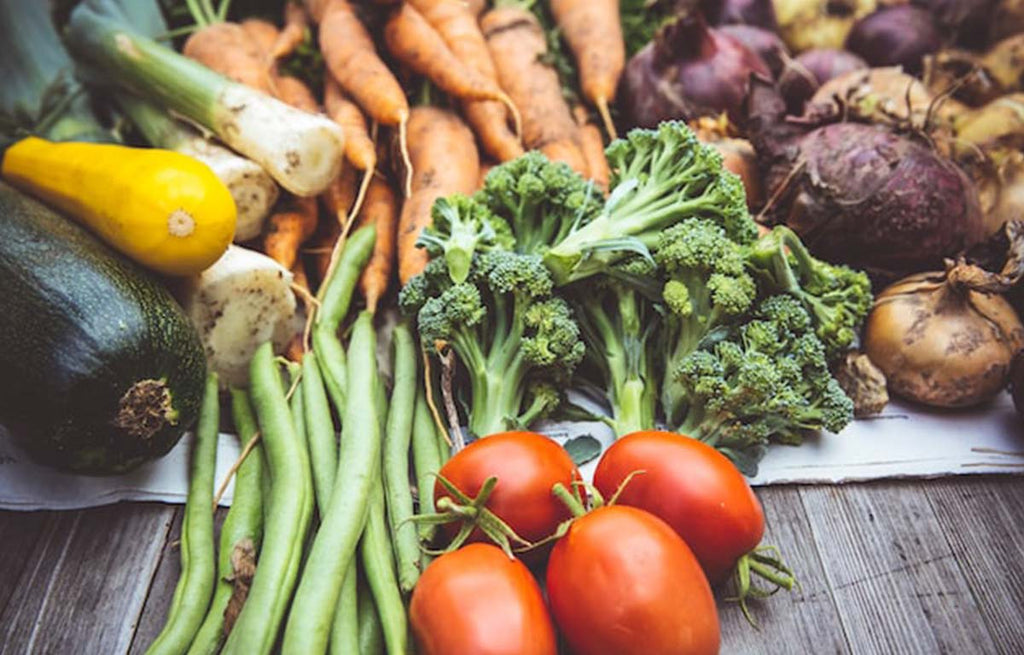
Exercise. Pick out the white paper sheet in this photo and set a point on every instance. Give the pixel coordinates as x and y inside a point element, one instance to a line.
<point>906,442</point>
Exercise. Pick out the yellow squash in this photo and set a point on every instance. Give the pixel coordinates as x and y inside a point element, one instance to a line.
<point>165,210</point>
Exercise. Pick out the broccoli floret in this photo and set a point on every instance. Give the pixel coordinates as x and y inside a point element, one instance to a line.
<point>837,297</point>
<point>767,380</point>
<point>420,288</point>
<point>659,177</point>
<point>707,288</point>
<point>462,226</point>
<point>541,200</point>
<point>511,335</point>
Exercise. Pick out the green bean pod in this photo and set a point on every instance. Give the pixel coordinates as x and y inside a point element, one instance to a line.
<point>195,585</point>
<point>337,295</point>
<point>397,438</point>
<point>345,626</point>
<point>379,564</point>
<point>334,546</point>
<point>289,514</point>
<point>242,529</point>
<point>371,632</point>
<point>429,453</point>
<point>330,357</point>
<point>323,440</point>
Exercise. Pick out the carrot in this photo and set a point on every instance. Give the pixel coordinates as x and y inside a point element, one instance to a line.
<point>594,32</point>
<point>415,43</point>
<point>476,7</point>
<point>338,197</point>
<point>381,210</point>
<point>352,59</point>
<point>518,46</point>
<point>263,33</point>
<point>287,230</point>
<point>485,168</point>
<point>359,148</point>
<point>293,33</point>
<point>445,161</point>
<point>456,23</point>
<point>293,91</point>
<point>593,149</point>
<point>230,50</point>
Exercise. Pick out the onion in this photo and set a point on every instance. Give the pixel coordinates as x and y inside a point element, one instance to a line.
<point>883,95</point>
<point>963,73</point>
<point>688,71</point>
<point>759,13</point>
<point>765,44</point>
<point>828,63</point>
<point>1005,63</point>
<point>895,36</point>
<point>806,24</point>
<point>947,339</point>
<point>863,382</point>
<point>1007,19</point>
<point>999,124</point>
<point>964,20</point>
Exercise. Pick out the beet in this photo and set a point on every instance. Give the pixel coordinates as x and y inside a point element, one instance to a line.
<point>689,70</point>
<point>966,21</point>
<point>757,13</point>
<point>895,36</point>
<point>765,44</point>
<point>828,63</point>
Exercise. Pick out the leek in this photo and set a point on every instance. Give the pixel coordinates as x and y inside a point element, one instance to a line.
<point>302,151</point>
<point>253,190</point>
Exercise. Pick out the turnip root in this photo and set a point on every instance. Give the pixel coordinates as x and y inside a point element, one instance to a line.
<point>806,24</point>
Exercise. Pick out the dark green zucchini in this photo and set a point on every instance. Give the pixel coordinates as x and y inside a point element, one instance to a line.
<point>100,370</point>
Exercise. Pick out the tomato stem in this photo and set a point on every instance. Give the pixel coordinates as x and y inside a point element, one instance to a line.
<point>572,502</point>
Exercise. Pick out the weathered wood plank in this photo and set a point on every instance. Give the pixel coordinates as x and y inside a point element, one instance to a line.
<point>20,533</point>
<point>161,588</point>
<point>894,578</point>
<point>89,585</point>
<point>802,621</point>
<point>981,519</point>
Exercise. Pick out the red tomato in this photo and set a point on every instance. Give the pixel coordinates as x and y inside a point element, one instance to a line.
<point>478,601</point>
<point>527,465</point>
<point>692,487</point>
<point>622,582</point>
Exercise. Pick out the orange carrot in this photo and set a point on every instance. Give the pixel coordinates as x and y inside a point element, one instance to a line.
<point>230,50</point>
<point>338,197</point>
<point>415,43</point>
<point>263,33</point>
<point>380,210</point>
<point>293,91</point>
<point>593,30</point>
<point>293,33</point>
<point>359,148</point>
<point>476,7</point>
<point>489,120</point>
<point>286,230</point>
<point>485,168</point>
<point>445,161</point>
<point>593,148</point>
<point>518,46</point>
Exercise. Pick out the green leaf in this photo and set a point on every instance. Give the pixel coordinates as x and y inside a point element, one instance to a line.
<point>583,448</point>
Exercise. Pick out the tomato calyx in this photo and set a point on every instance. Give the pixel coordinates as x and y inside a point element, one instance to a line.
<point>472,513</point>
<point>577,504</point>
<point>764,562</point>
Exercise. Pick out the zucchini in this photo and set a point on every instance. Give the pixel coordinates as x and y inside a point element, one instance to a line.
<point>100,370</point>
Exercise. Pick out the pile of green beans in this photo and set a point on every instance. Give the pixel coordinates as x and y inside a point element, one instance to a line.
<point>325,498</point>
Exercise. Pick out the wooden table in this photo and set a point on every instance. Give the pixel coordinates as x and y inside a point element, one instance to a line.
<point>889,567</point>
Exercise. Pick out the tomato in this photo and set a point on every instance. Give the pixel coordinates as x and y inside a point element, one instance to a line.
<point>692,487</point>
<point>621,582</point>
<point>527,465</point>
<point>478,601</point>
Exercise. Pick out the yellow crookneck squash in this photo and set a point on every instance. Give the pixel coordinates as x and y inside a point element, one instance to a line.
<point>165,210</point>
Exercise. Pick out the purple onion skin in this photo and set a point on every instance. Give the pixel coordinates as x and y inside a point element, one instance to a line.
<point>966,21</point>
<point>877,200</point>
<point>826,63</point>
<point>766,45</point>
<point>895,36</point>
<point>758,13</point>
<point>687,71</point>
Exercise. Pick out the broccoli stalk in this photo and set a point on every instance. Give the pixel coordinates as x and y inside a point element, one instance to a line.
<point>617,322</point>
<point>659,177</point>
<point>767,380</point>
<point>837,297</point>
<point>517,342</point>
<point>460,227</point>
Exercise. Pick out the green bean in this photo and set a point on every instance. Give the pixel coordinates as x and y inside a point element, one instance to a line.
<point>371,632</point>
<point>429,452</point>
<point>397,437</point>
<point>323,441</point>
<point>296,405</point>
<point>345,626</point>
<point>195,585</point>
<point>379,564</point>
<point>331,359</point>
<point>290,513</point>
<point>334,547</point>
<point>242,529</point>
<point>337,294</point>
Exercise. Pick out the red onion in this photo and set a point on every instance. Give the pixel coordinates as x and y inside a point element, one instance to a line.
<point>765,44</point>
<point>828,63</point>
<point>689,70</point>
<point>964,20</point>
<point>895,36</point>
<point>758,13</point>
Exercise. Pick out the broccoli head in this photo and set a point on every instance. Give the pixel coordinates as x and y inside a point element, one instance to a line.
<point>659,178</point>
<point>767,380</point>
<point>837,297</point>
<point>461,226</point>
